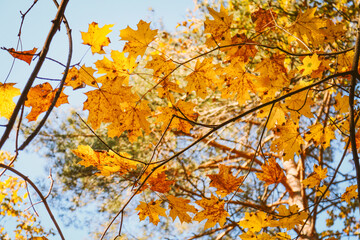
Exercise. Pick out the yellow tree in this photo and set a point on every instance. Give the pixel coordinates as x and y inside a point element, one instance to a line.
<point>243,116</point>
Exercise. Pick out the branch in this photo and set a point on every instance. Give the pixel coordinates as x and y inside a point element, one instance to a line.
<point>43,199</point>
<point>55,26</point>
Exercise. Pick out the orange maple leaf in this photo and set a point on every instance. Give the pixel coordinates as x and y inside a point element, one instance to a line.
<point>7,93</point>
<point>96,37</point>
<point>272,172</point>
<point>78,78</point>
<point>224,181</point>
<point>139,39</point>
<point>26,56</point>
<point>106,105</point>
<point>158,180</point>
<point>152,210</point>
<point>179,207</point>
<point>213,212</point>
<point>263,19</point>
<point>40,98</point>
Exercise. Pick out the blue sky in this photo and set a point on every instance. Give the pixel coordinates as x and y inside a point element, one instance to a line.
<point>79,14</point>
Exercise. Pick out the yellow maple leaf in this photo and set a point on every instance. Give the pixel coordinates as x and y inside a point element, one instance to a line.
<point>289,140</point>
<point>78,78</point>
<point>321,190</point>
<point>96,37</point>
<point>237,82</point>
<point>181,125</point>
<point>7,93</point>
<point>138,40</point>
<point>315,177</point>
<point>152,210</point>
<point>320,135</point>
<point>213,211</point>
<point>300,103</point>
<point>272,172</point>
<point>342,103</point>
<point>277,116</point>
<point>288,217</point>
<point>117,71</point>
<point>202,78</point>
<point>179,207</point>
<point>160,65</point>
<point>219,28</point>
<point>106,162</point>
<point>308,27</point>
<point>349,193</point>
<point>40,98</point>
<point>273,75</point>
<point>310,64</point>
<point>255,221</point>
<point>224,181</point>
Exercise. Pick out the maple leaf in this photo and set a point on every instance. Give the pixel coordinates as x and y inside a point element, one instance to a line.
<point>263,19</point>
<point>238,82</point>
<point>78,78</point>
<point>349,193</point>
<point>308,27</point>
<point>96,37</point>
<point>273,75</point>
<point>166,114</point>
<point>219,28</point>
<point>241,52</point>
<point>289,140</point>
<point>40,98</point>
<point>179,207</point>
<point>255,221</point>
<point>158,180</point>
<point>321,190</point>
<point>117,71</point>
<point>152,210</point>
<point>7,93</point>
<point>300,103</point>
<point>224,181</point>
<point>106,162</point>
<point>342,103</point>
<point>133,120</point>
<point>160,65</point>
<point>106,105</point>
<point>139,39</point>
<point>277,115</point>
<point>320,135</point>
<point>272,172</point>
<point>25,56</point>
<point>202,78</point>
<point>213,212</point>
<point>310,64</point>
<point>288,217</point>
<point>315,178</point>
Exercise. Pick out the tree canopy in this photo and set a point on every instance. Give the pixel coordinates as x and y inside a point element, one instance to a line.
<point>241,124</point>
